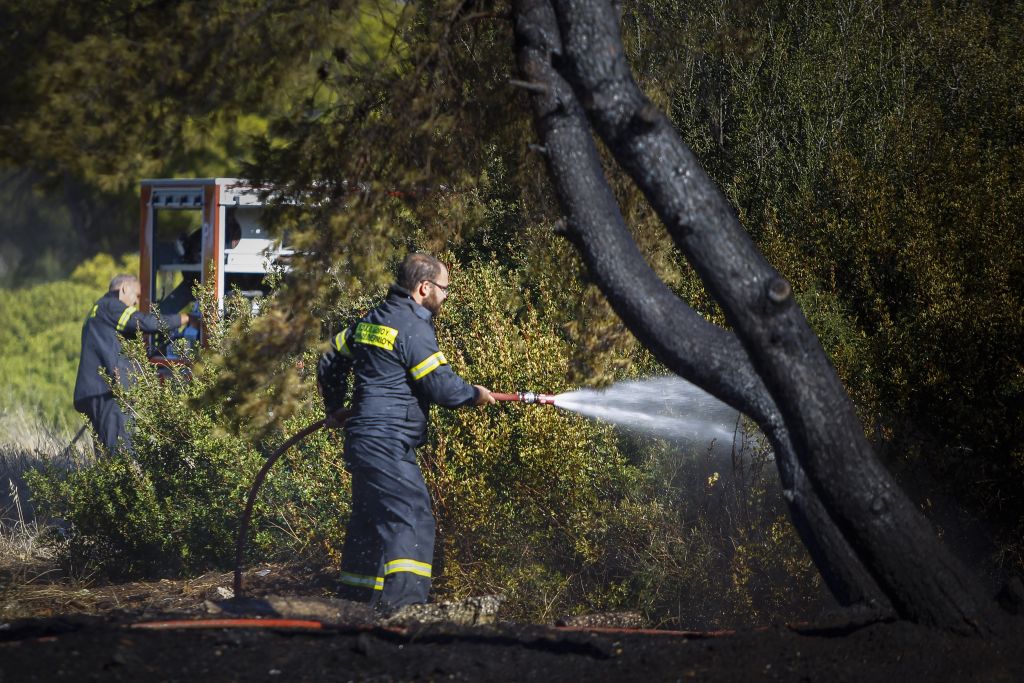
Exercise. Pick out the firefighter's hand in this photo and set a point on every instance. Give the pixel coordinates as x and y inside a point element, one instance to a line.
<point>337,419</point>
<point>483,395</point>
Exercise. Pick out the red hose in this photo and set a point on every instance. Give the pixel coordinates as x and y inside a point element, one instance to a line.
<point>229,623</point>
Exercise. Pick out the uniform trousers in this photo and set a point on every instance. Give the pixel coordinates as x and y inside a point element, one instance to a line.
<point>389,541</point>
<point>107,418</point>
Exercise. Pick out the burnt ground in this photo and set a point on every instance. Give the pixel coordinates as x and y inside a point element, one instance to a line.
<point>115,633</point>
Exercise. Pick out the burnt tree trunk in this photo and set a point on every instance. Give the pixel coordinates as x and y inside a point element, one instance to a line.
<point>844,503</point>
<point>703,353</point>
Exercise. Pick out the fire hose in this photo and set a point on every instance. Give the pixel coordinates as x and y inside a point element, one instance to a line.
<point>338,420</point>
<point>526,397</point>
<point>67,449</point>
<point>243,524</point>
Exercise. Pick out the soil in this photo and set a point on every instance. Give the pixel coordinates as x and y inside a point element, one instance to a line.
<point>147,631</point>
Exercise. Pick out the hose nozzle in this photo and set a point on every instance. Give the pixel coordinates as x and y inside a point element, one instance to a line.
<point>526,397</point>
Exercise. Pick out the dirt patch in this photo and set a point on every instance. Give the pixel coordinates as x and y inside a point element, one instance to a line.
<point>288,627</point>
<point>42,593</point>
<point>87,648</point>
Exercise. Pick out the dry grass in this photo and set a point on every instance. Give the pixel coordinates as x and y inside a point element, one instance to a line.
<point>26,443</point>
<point>29,545</point>
<point>20,539</point>
<point>48,594</point>
<point>28,554</point>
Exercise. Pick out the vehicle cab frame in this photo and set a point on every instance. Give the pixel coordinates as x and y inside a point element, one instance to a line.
<point>202,230</point>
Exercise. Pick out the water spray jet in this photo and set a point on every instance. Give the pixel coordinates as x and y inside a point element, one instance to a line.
<point>666,407</point>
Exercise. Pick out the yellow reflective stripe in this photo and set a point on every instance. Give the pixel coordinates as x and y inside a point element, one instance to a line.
<point>123,320</point>
<point>407,565</point>
<point>428,366</point>
<point>340,343</point>
<point>362,580</point>
<point>376,335</point>
<point>92,313</point>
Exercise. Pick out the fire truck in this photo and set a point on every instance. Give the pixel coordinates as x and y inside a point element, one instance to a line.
<point>202,230</point>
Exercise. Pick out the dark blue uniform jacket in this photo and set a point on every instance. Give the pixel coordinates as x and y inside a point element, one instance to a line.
<point>398,369</point>
<point>108,321</point>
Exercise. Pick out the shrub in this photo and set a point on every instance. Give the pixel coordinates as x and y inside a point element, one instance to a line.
<point>873,157</point>
<point>567,515</point>
<point>172,505</point>
<point>560,514</point>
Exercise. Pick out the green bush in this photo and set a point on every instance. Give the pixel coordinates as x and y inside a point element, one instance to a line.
<point>560,514</point>
<point>173,504</point>
<point>874,156</point>
<point>565,515</point>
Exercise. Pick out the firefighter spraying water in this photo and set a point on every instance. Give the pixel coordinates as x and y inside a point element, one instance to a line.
<point>666,407</point>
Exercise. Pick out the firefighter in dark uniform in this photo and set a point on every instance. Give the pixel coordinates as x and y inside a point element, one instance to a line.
<point>398,373</point>
<point>112,317</point>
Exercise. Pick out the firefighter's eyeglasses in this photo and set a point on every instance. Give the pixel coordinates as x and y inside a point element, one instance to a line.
<point>443,288</point>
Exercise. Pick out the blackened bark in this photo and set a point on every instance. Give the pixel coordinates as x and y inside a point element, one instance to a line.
<point>695,349</point>
<point>894,541</point>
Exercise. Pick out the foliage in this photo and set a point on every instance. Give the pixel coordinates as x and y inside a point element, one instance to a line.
<point>724,553</point>
<point>521,491</point>
<point>172,504</point>
<point>188,68</point>
<point>96,96</point>
<point>870,151</point>
<point>560,514</point>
